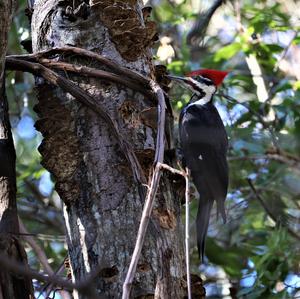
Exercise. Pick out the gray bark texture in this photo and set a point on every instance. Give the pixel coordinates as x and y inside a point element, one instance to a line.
<point>102,200</point>
<point>11,286</point>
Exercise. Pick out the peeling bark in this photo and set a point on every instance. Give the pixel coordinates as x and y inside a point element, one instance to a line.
<point>130,32</point>
<point>102,202</point>
<point>11,286</point>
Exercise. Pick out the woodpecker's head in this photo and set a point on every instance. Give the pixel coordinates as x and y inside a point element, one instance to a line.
<point>203,83</point>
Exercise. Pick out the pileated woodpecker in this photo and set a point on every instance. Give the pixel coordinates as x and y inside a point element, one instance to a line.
<point>204,143</point>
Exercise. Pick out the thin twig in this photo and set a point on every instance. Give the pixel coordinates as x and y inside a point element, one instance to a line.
<point>146,214</point>
<point>187,234</point>
<point>186,175</point>
<point>40,253</point>
<point>280,157</point>
<point>160,138</point>
<point>173,170</point>
<point>49,287</point>
<point>284,52</point>
<point>260,118</point>
<point>268,211</point>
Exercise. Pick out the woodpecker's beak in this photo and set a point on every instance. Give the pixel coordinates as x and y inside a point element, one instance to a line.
<point>185,81</point>
<point>176,78</point>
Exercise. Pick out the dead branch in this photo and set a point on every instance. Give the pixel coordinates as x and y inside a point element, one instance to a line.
<point>47,289</point>
<point>83,286</point>
<point>40,253</point>
<point>145,221</point>
<point>259,117</point>
<point>113,67</point>
<point>149,201</point>
<point>84,98</point>
<point>92,72</point>
<point>187,233</point>
<point>268,211</point>
<point>160,138</point>
<point>281,157</point>
<point>173,170</point>
<point>285,51</point>
<point>196,34</point>
<point>186,175</point>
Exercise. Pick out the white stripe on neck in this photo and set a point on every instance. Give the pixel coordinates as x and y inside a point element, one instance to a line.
<point>203,100</point>
<point>208,90</point>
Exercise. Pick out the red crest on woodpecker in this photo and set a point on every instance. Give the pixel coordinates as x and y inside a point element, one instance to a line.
<point>216,76</point>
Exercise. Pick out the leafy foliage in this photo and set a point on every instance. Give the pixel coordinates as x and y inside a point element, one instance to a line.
<point>257,247</point>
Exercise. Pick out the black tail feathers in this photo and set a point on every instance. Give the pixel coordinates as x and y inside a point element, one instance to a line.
<point>202,223</point>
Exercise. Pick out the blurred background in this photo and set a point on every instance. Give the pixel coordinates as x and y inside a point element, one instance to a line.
<point>256,254</point>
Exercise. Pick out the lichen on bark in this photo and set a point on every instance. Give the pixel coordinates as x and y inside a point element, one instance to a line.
<point>129,31</point>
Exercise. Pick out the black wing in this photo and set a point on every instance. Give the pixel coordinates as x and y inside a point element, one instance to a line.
<point>204,146</point>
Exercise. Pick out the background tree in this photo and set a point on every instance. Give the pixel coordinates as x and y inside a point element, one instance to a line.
<point>256,254</point>
<point>11,285</point>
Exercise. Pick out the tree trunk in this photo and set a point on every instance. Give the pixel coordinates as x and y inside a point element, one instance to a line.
<point>11,286</point>
<point>102,199</point>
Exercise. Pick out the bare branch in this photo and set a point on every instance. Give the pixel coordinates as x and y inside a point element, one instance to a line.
<point>187,233</point>
<point>160,139</point>
<point>145,220</point>
<point>40,253</point>
<point>113,67</point>
<point>83,286</point>
<point>281,157</point>
<point>268,211</point>
<point>186,175</point>
<point>284,52</point>
<point>84,98</point>
<point>258,115</point>
<point>200,26</point>
<point>49,286</point>
<point>92,72</point>
<point>173,170</point>
<point>146,214</point>
<point>149,201</point>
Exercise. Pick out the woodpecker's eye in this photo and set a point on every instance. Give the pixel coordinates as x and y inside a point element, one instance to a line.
<point>203,80</point>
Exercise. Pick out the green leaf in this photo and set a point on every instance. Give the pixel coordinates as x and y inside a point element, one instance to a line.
<point>274,48</point>
<point>227,52</point>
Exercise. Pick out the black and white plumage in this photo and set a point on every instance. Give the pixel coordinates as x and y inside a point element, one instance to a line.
<point>204,145</point>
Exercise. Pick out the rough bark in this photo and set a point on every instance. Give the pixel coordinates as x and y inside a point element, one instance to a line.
<point>11,286</point>
<point>102,199</point>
